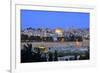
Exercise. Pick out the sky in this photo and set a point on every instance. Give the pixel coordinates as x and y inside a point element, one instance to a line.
<point>53,19</point>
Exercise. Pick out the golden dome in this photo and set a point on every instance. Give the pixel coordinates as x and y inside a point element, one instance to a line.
<point>58,31</point>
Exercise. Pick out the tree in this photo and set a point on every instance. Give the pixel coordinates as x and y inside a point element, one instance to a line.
<point>31,38</point>
<point>50,57</point>
<point>24,37</point>
<point>55,56</point>
<point>26,53</point>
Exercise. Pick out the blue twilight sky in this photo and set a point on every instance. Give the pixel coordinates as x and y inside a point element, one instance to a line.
<point>54,19</point>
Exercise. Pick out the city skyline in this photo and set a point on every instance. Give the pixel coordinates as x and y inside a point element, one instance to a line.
<point>53,19</point>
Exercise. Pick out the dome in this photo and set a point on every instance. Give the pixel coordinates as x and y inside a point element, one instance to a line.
<point>58,31</point>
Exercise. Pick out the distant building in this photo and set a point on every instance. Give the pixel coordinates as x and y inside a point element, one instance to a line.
<point>59,32</point>
<point>55,33</point>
